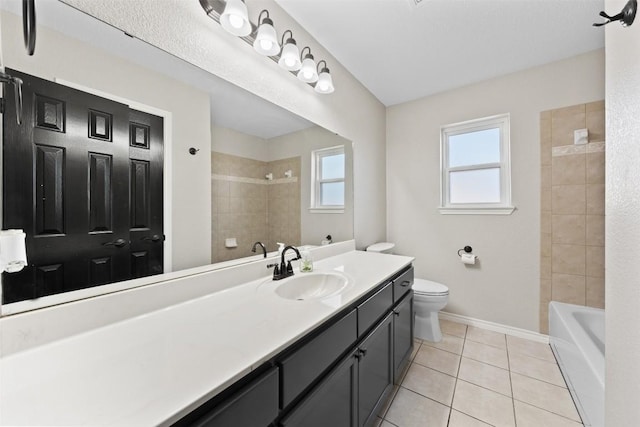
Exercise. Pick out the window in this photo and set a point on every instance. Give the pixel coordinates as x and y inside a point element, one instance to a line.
<point>327,180</point>
<point>475,166</point>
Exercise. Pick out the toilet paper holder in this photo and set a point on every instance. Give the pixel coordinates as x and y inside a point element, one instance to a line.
<point>466,249</point>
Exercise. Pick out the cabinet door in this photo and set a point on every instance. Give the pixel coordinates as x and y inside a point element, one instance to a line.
<point>332,402</point>
<point>402,335</point>
<point>375,370</point>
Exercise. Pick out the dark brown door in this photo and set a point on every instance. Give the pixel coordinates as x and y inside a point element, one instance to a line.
<point>82,176</point>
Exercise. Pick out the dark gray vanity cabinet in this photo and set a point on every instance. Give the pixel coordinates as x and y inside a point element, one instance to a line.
<point>349,395</point>
<point>338,375</point>
<point>402,335</point>
<point>375,371</point>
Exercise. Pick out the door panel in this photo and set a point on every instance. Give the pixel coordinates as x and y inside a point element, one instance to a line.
<point>67,184</point>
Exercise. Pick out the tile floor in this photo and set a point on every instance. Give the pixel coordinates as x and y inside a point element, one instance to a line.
<point>476,377</point>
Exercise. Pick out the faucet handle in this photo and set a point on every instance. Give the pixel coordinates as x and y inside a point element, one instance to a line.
<point>276,269</point>
<point>289,267</point>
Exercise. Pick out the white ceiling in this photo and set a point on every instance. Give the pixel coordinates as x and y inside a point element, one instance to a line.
<point>401,51</point>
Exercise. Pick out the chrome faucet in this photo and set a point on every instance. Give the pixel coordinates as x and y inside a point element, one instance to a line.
<point>284,270</point>
<point>264,250</point>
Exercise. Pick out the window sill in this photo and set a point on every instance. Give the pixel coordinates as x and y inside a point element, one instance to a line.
<point>503,210</point>
<point>326,210</point>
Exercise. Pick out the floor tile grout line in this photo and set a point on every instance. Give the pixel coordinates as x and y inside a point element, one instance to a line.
<point>551,412</point>
<point>513,398</point>
<point>455,384</point>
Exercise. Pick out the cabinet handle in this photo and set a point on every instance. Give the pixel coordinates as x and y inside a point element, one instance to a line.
<point>405,283</point>
<point>363,352</point>
<point>397,313</point>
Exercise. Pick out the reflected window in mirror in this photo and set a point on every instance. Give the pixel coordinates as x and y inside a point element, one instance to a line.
<point>328,177</point>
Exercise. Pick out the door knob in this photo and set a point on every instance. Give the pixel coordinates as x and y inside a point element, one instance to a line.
<point>118,243</point>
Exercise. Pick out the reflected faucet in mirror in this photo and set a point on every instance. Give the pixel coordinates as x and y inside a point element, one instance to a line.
<point>264,250</point>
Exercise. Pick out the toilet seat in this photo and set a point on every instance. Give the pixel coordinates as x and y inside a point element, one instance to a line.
<point>429,288</point>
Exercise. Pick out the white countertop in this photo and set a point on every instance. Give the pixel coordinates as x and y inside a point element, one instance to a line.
<point>155,368</point>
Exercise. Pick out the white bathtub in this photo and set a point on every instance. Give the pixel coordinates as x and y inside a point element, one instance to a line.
<point>577,338</point>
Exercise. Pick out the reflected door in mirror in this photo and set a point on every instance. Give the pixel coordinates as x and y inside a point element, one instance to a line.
<point>83,178</point>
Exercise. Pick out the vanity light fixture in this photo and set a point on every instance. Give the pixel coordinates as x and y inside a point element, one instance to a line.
<point>266,42</point>
<point>325,82</point>
<point>235,18</point>
<point>308,72</point>
<point>290,55</point>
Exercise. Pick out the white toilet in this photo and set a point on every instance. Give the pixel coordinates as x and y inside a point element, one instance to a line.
<point>428,299</point>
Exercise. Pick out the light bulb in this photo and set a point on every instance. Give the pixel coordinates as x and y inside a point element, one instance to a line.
<point>307,74</point>
<point>236,21</point>
<point>290,56</point>
<point>266,42</point>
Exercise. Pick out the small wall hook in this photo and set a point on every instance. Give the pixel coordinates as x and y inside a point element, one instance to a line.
<point>193,151</point>
<point>626,17</point>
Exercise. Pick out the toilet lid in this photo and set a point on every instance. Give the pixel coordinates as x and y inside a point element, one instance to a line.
<point>427,287</point>
<point>380,247</point>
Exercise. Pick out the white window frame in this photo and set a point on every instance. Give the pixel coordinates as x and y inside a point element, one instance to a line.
<point>504,207</point>
<point>316,181</point>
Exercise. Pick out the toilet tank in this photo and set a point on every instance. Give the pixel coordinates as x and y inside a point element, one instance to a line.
<point>382,247</point>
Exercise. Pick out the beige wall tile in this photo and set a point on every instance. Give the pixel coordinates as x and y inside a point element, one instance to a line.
<point>595,261</point>
<point>545,200</point>
<point>568,170</point>
<point>595,292</point>
<point>545,290</point>
<point>545,176</point>
<point>545,139</point>
<point>568,288</point>
<point>545,115</point>
<point>595,199</point>
<point>545,244</point>
<point>595,230</point>
<point>544,317</point>
<point>568,199</point>
<point>595,120</point>
<point>595,167</point>
<point>564,121</point>
<point>545,267</point>
<point>568,229</point>
<point>568,259</point>
<point>545,222</point>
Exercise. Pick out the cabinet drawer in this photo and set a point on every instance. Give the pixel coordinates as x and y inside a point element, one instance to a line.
<point>301,368</point>
<point>402,284</point>
<point>374,308</point>
<point>254,405</point>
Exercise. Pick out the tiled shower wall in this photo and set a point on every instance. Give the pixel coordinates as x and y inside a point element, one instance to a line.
<point>250,208</point>
<point>572,205</point>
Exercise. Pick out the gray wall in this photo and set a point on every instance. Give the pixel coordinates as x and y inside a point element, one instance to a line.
<point>504,287</point>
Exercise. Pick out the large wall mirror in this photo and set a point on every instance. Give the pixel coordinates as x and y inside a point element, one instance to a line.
<point>125,153</point>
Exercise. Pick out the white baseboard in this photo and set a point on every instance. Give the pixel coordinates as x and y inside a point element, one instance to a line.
<point>496,327</point>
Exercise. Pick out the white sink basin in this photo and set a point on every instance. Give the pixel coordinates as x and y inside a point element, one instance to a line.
<point>313,286</point>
